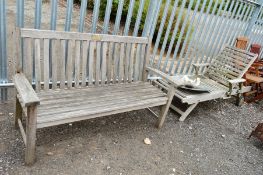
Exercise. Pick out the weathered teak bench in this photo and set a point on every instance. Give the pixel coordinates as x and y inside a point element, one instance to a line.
<point>80,76</point>
<point>223,77</point>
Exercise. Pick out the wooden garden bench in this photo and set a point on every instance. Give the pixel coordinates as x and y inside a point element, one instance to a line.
<point>79,76</point>
<point>223,78</point>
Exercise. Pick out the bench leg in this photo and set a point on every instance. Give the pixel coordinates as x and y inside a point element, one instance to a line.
<point>187,112</point>
<point>165,108</point>
<point>31,135</point>
<point>183,114</point>
<point>18,112</point>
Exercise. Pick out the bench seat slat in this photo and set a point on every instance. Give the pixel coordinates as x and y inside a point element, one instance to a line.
<point>91,105</point>
<point>95,94</point>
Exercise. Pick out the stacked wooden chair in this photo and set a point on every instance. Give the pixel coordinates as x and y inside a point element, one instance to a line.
<point>254,75</point>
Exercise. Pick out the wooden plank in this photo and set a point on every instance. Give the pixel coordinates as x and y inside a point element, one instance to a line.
<point>109,65</point>
<point>37,65</point>
<point>82,115</point>
<point>104,63</point>
<point>96,103</point>
<point>147,61</point>
<point>85,46</point>
<point>31,127</point>
<point>36,33</point>
<point>121,65</point>
<point>142,60</point>
<point>101,93</point>
<point>127,62</point>
<point>46,64</point>
<point>28,67</point>
<point>137,63</point>
<point>25,90</point>
<point>69,72</point>
<point>97,96</point>
<point>18,50</point>
<point>22,130</point>
<point>116,58</point>
<point>106,88</point>
<point>131,63</point>
<point>77,64</point>
<point>105,108</point>
<point>91,61</point>
<point>62,63</point>
<point>98,59</point>
<point>55,56</point>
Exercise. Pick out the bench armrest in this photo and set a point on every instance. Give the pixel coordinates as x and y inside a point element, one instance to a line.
<point>162,75</point>
<point>25,90</point>
<point>238,80</point>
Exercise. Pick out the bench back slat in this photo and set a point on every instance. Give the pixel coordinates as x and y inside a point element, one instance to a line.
<point>231,63</point>
<point>71,59</point>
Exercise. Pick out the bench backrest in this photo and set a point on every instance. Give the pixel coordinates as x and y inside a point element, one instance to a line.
<point>231,63</point>
<point>57,59</point>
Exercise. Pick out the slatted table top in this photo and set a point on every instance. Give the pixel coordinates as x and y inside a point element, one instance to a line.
<point>216,91</point>
<point>65,106</point>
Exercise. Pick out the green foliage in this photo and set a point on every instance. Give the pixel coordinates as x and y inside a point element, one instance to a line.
<point>114,9</point>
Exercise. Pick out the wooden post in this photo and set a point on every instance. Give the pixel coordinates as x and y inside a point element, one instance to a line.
<point>242,42</point>
<point>18,112</point>
<point>165,108</point>
<point>31,134</point>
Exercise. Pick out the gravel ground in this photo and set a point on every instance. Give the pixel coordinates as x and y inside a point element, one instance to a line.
<point>213,140</point>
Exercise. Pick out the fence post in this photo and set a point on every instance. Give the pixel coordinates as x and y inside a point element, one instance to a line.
<point>149,18</point>
<point>254,17</point>
<point>3,55</point>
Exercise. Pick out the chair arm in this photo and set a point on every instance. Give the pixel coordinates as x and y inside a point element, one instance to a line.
<point>235,81</point>
<point>162,75</point>
<point>198,65</point>
<point>201,64</point>
<point>25,90</point>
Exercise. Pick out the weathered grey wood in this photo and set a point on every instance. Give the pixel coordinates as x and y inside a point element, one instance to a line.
<point>46,64</point>
<point>146,62</point>
<point>85,46</point>
<point>108,60</point>
<point>141,61</point>
<point>69,72</point>
<point>35,33</point>
<point>98,63</point>
<point>28,67</point>
<point>137,63</point>
<point>109,65</point>
<point>91,61</point>
<point>18,112</point>
<point>187,112</point>
<point>165,108</point>
<point>131,63</point>
<point>62,64</point>
<point>31,128</point>
<point>23,133</point>
<point>17,51</point>
<point>37,65</point>
<point>112,109</point>
<point>127,62</point>
<point>104,63</point>
<point>25,90</point>
<point>226,69</point>
<point>77,64</point>
<point>55,57</point>
<point>116,58</point>
<point>121,63</point>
